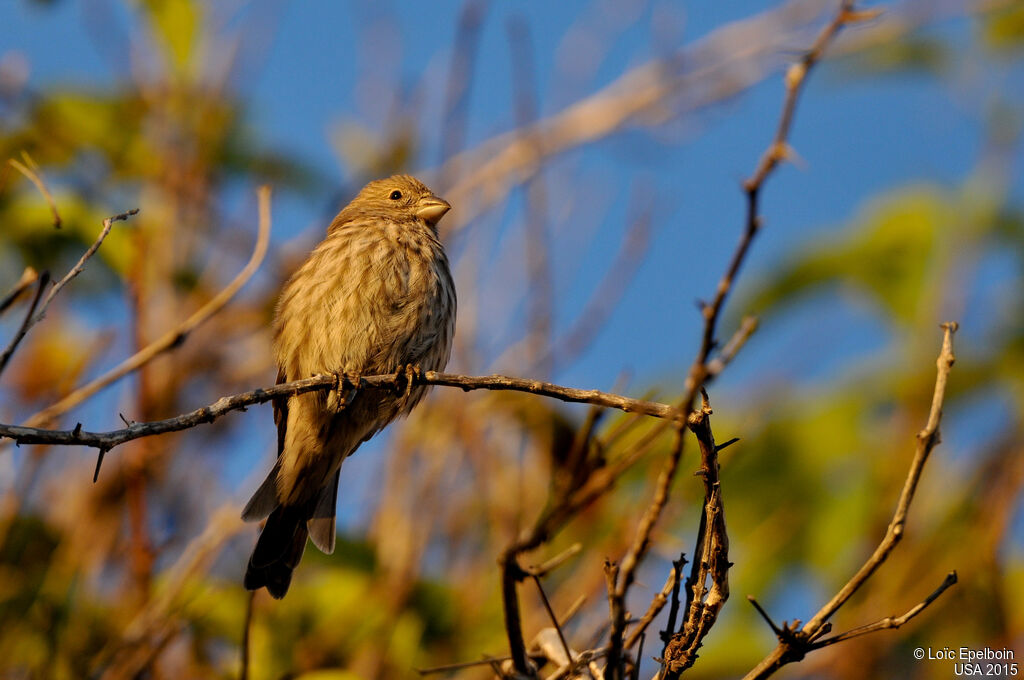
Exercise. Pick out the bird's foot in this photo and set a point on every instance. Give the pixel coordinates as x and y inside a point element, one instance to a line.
<point>345,387</point>
<point>406,378</point>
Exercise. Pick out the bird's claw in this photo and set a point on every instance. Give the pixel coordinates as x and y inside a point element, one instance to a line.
<point>344,388</point>
<point>406,377</point>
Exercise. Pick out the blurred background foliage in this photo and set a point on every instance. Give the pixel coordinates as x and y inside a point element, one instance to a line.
<point>138,576</point>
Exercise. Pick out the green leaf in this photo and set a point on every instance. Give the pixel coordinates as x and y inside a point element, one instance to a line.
<point>176,24</point>
<point>914,54</point>
<point>1003,30</point>
<point>885,253</point>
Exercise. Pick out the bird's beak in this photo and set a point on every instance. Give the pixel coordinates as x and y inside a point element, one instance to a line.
<point>432,209</point>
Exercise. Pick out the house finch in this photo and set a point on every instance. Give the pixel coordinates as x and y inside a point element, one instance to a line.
<point>375,297</point>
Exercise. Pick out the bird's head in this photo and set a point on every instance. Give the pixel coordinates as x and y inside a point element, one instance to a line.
<point>399,197</point>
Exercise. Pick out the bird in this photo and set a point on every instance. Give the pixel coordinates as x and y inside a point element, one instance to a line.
<point>375,297</point>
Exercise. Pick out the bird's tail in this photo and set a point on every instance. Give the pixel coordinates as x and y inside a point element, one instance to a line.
<point>278,551</point>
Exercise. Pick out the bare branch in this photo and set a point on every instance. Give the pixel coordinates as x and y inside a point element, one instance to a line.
<point>641,542</point>
<point>732,348</point>
<point>174,337</point>
<point>80,265</point>
<point>35,175</point>
<point>243,674</point>
<point>556,561</point>
<point>33,317</point>
<point>554,619</point>
<point>107,440</point>
<point>487,660</point>
<point>926,441</point>
<point>794,644</point>
<point>511,574</point>
<point>710,558</point>
<point>26,323</point>
<point>668,593</point>
<point>890,622</point>
<point>28,277</point>
<point>703,369</point>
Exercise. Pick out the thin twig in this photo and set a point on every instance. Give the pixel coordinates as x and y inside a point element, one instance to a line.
<point>174,337</point>
<point>764,615</point>
<point>926,441</point>
<point>486,661</point>
<point>35,175</point>
<point>735,344</point>
<point>243,674</point>
<point>80,265</point>
<point>890,622</point>
<point>34,316</point>
<point>794,644</point>
<point>26,322</point>
<point>554,619</point>
<point>668,592</point>
<point>596,397</point>
<point>558,560</point>
<point>636,553</point>
<point>28,277</point>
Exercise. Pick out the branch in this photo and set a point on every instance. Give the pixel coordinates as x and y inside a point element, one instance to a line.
<point>890,622</point>
<point>703,367</point>
<point>511,574</point>
<point>926,441</point>
<point>244,652</point>
<point>668,593</point>
<point>31,170</point>
<point>207,414</point>
<point>28,277</point>
<point>80,265</point>
<point>710,558</point>
<point>793,643</point>
<point>26,323</point>
<point>173,338</point>
<point>33,317</point>
<point>778,150</point>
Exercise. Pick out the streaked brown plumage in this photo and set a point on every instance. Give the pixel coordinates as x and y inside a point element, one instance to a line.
<point>374,297</point>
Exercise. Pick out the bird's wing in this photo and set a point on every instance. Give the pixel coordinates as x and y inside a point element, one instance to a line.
<point>280,415</point>
<point>264,501</point>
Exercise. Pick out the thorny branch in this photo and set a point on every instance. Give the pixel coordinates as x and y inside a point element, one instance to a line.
<point>704,367</point>
<point>108,440</point>
<point>710,558</point>
<point>794,641</point>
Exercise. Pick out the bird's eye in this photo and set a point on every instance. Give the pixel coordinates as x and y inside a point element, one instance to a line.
<point>395,195</point>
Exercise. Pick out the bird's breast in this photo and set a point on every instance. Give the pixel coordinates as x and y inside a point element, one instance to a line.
<point>368,300</point>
